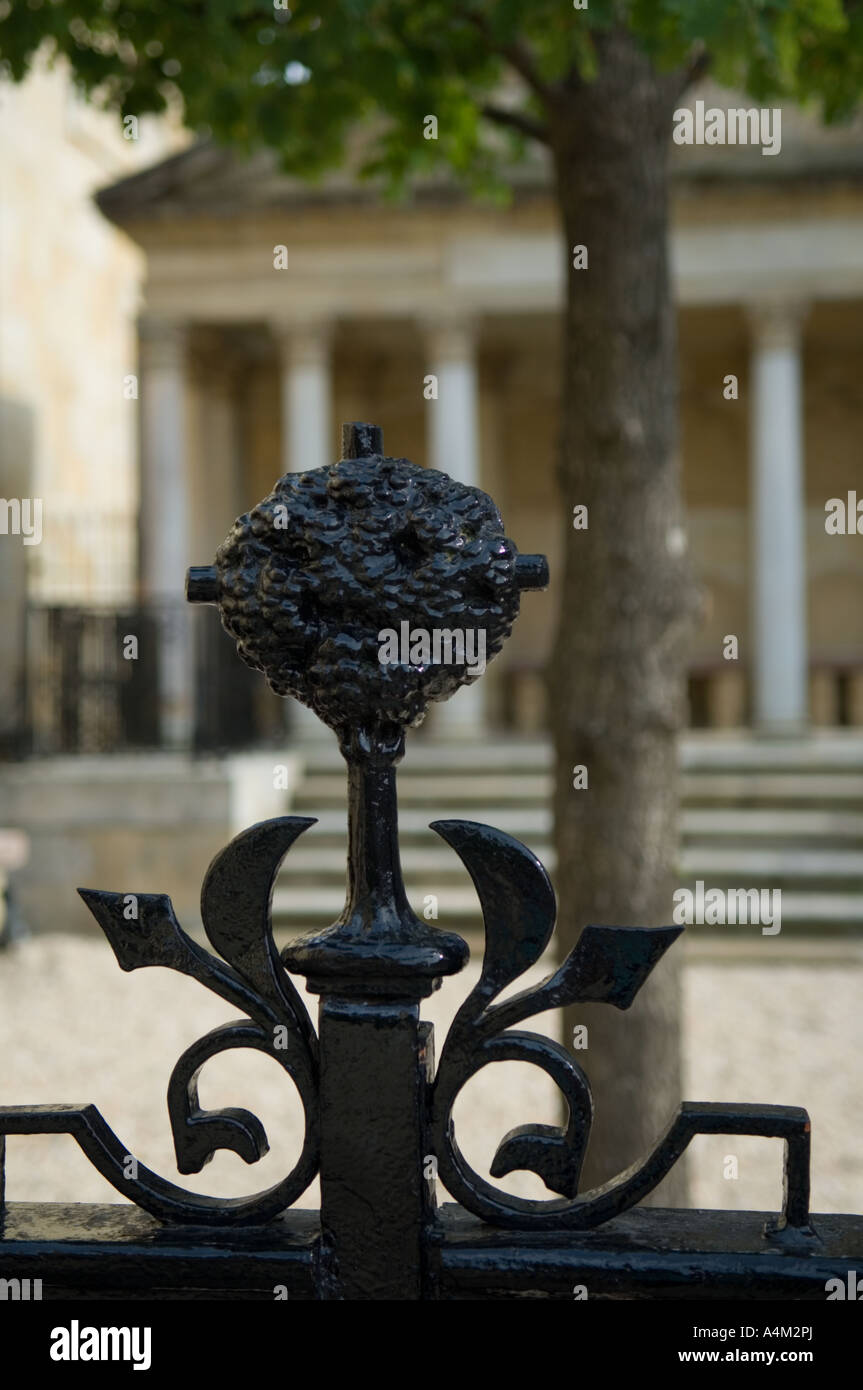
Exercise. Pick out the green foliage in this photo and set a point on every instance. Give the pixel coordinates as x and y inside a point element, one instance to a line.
<point>300,80</point>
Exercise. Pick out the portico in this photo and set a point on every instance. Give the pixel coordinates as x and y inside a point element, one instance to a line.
<point>440,320</point>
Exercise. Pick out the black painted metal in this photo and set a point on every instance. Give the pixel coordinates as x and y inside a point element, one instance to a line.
<point>305,583</point>
<point>81,695</point>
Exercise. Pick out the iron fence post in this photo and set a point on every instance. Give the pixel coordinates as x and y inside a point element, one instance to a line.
<point>307,583</point>
<point>371,969</point>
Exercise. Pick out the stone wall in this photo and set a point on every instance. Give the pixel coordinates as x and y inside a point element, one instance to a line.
<point>149,823</point>
<point>70,291</point>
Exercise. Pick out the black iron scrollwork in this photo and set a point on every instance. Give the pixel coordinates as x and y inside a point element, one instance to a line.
<point>305,583</point>
<point>607,965</point>
<point>308,579</point>
<point>235,905</point>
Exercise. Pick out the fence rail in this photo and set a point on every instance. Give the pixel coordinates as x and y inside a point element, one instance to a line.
<point>378,1108</point>
<point>87,689</point>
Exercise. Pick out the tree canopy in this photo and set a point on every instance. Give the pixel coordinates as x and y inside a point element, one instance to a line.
<point>299,79</point>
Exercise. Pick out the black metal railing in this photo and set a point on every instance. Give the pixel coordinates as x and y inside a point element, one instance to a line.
<point>85,693</point>
<point>306,583</point>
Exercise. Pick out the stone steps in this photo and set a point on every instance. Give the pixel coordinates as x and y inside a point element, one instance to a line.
<point>296,909</point>
<point>440,865</point>
<point>464,788</point>
<point>827,749</point>
<point>754,814</point>
<point>535,823</point>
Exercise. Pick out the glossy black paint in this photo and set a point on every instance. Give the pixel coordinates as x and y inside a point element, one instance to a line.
<point>309,579</point>
<point>235,904</point>
<point>367,543</point>
<point>83,1251</point>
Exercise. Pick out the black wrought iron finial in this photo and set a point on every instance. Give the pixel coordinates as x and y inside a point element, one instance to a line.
<point>309,578</point>
<point>360,440</point>
<point>306,582</point>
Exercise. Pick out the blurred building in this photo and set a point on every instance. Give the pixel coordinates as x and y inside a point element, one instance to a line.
<point>247,370</point>
<point>159,372</point>
<point>70,287</point>
<point>244,370</point>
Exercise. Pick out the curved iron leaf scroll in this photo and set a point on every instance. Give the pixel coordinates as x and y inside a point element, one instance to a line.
<point>235,903</point>
<point>607,965</point>
<point>393,543</point>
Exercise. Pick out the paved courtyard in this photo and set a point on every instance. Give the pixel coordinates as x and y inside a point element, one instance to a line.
<point>780,1025</point>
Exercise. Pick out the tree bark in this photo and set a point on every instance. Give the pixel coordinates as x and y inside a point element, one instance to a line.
<point>617,680</point>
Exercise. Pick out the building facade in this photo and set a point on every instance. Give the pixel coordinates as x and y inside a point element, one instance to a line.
<point>272,310</point>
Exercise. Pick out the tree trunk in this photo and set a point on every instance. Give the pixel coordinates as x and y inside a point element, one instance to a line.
<point>618,665</point>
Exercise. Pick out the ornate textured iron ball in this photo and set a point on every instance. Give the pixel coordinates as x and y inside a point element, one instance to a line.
<point>309,580</point>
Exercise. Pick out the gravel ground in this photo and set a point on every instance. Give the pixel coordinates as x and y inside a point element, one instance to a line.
<point>74,1028</point>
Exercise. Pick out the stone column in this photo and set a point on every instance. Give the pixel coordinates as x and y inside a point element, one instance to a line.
<point>777,520</point>
<point>17,447</point>
<point>164,507</point>
<point>306,394</point>
<point>453,447</point>
<point>307,434</point>
<point>217,494</point>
